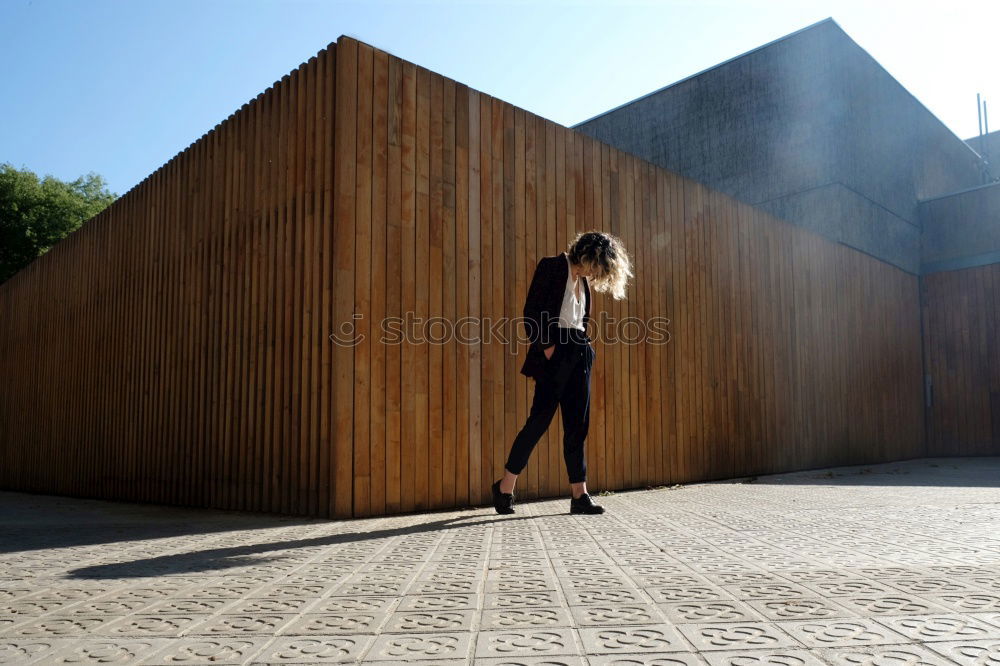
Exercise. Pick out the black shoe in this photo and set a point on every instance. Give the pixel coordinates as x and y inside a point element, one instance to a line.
<point>502,502</point>
<point>584,504</point>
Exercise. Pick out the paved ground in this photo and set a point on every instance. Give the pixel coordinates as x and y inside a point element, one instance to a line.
<point>891,565</point>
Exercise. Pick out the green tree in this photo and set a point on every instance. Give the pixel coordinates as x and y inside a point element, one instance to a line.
<point>35,214</point>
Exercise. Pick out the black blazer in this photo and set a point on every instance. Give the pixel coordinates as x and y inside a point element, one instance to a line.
<point>541,309</point>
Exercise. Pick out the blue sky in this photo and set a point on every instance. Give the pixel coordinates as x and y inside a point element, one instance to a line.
<point>121,86</point>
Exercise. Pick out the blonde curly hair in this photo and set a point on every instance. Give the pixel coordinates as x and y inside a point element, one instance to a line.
<point>606,255</point>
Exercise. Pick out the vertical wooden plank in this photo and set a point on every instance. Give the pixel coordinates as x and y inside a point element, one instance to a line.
<point>549,446</point>
<point>362,286</point>
<point>147,360</point>
<point>465,494</point>
<point>308,458</point>
<point>716,246</point>
<point>622,369</point>
<point>477,470</point>
<point>170,440</point>
<point>499,441</point>
<point>269,398</point>
<point>191,485</point>
<point>325,92</point>
<point>378,269</point>
<point>185,482</point>
<point>662,395</point>
<point>254,317</point>
<point>685,316</point>
<point>727,289</point>
<point>528,255</point>
<point>118,259</point>
<point>133,297</point>
<point>597,458</point>
<point>519,283</point>
<point>435,433</point>
<point>214,454</point>
<point>408,267</point>
<point>291,291</point>
<point>640,309</point>
<point>281,444</point>
<point>450,384</point>
<point>507,264</point>
<point>393,378</point>
<point>240,291</point>
<point>226,341</point>
<point>422,499</point>
<point>653,395</point>
<point>608,349</point>
<point>640,431</point>
<point>203,324</point>
<point>489,468</point>
<point>277,481</point>
<point>705,416</point>
<point>343,243</point>
<point>300,319</point>
<point>230,456</point>
<point>772,442</point>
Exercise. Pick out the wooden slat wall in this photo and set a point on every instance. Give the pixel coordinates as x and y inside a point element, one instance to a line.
<point>961,311</point>
<point>787,351</point>
<point>177,347</point>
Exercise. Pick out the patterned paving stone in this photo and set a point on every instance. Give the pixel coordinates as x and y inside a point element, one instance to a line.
<point>841,632</point>
<point>541,599</point>
<point>244,624</point>
<point>875,568</point>
<point>895,655</point>
<point>314,650</point>
<point>560,660</point>
<point>104,651</point>
<point>17,651</point>
<point>436,647</point>
<point>737,635</point>
<point>633,639</point>
<point>647,659</point>
<point>611,615</point>
<point>526,642</point>
<point>927,628</point>
<point>813,607</point>
<point>970,652</point>
<point>317,624</point>
<point>902,604</point>
<point>769,657</point>
<point>688,612</point>
<point>199,650</point>
<point>525,618</point>
<point>430,621</point>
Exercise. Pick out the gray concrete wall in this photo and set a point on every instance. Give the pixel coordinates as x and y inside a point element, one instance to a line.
<point>809,128</point>
<point>988,145</point>
<point>961,230</point>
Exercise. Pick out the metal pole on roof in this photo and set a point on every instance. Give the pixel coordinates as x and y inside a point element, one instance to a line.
<point>979,111</point>
<point>986,129</point>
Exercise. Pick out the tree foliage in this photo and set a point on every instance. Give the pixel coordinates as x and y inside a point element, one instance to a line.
<point>36,213</point>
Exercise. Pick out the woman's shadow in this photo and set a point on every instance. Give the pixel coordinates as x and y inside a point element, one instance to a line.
<point>217,559</point>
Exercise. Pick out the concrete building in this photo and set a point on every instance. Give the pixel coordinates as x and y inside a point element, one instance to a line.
<point>810,128</point>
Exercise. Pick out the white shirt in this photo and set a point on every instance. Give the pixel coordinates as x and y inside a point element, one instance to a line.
<point>573,308</point>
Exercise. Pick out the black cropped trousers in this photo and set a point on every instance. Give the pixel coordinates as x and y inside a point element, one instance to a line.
<point>564,383</point>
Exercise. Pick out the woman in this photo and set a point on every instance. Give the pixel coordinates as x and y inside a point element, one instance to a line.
<point>556,314</point>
